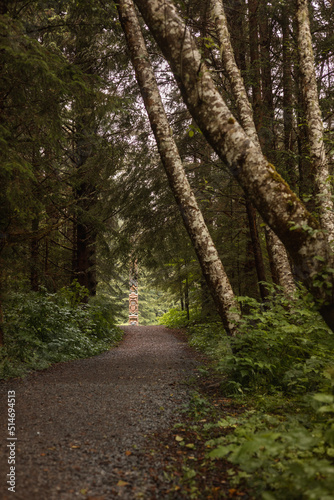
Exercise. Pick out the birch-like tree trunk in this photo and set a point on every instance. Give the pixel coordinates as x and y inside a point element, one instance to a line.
<point>277,204</point>
<point>281,263</point>
<point>315,127</point>
<point>288,94</point>
<point>256,246</point>
<point>279,258</point>
<point>207,254</point>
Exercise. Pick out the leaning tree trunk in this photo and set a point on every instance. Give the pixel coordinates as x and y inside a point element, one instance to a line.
<point>288,96</point>
<point>256,246</point>
<point>279,258</point>
<point>279,261</point>
<point>315,128</point>
<point>207,254</point>
<point>277,204</point>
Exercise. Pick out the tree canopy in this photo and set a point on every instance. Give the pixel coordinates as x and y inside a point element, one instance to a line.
<point>83,186</point>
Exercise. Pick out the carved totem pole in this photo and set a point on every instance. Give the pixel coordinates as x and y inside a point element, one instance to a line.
<point>133,295</point>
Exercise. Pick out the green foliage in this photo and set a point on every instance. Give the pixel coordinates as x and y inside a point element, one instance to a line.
<point>284,346</point>
<point>281,374</point>
<point>209,338</point>
<point>280,458</point>
<point>43,328</point>
<point>174,318</point>
<point>75,294</point>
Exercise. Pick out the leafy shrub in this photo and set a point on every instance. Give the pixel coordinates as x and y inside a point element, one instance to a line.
<point>285,346</point>
<point>174,318</point>
<point>282,458</point>
<point>43,328</point>
<point>209,338</point>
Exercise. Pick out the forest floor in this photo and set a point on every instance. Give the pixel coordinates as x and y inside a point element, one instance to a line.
<point>102,428</point>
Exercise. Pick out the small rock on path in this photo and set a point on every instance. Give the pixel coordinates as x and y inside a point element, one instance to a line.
<point>82,426</point>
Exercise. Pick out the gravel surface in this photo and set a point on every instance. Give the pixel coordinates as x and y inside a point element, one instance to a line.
<point>83,427</point>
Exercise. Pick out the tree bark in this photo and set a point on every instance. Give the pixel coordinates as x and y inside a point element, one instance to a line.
<point>207,254</point>
<point>278,205</point>
<point>227,55</point>
<point>34,250</point>
<point>267,103</point>
<point>288,96</point>
<point>256,246</point>
<point>282,274</point>
<point>2,339</point>
<point>251,126</point>
<point>255,64</point>
<point>186,298</point>
<point>85,246</point>
<point>315,126</point>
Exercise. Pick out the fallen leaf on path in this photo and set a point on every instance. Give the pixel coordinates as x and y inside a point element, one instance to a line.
<point>179,438</point>
<point>128,453</point>
<point>122,483</point>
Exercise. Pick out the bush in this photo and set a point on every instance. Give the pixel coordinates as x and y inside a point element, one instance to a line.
<point>282,458</point>
<point>209,338</point>
<point>42,328</point>
<point>174,318</point>
<point>284,347</point>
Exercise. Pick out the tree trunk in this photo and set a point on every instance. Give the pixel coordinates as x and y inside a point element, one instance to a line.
<point>267,105</point>
<point>278,205</point>
<point>234,75</point>
<point>256,246</point>
<point>279,260</point>
<point>207,254</point>
<point>279,257</point>
<point>2,340</point>
<point>250,125</point>
<point>34,282</point>
<point>186,298</point>
<point>85,232</point>
<point>315,126</point>
<point>255,69</point>
<point>288,96</point>
<point>86,257</point>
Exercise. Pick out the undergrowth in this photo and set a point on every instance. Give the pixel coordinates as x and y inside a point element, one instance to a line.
<point>280,368</point>
<point>42,328</point>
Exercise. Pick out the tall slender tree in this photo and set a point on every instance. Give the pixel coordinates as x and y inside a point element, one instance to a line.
<point>277,254</point>
<point>315,128</point>
<point>207,254</point>
<point>276,202</point>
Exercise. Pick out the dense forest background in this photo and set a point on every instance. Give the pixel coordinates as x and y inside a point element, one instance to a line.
<point>84,194</point>
<point>83,191</point>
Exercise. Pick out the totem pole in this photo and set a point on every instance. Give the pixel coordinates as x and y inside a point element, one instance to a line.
<point>133,295</point>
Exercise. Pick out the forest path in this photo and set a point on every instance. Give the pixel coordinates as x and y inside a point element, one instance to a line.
<point>82,426</point>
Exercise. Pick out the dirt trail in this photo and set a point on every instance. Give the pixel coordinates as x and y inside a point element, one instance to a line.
<point>82,426</point>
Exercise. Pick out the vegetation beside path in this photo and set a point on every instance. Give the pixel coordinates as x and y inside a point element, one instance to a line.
<point>260,423</point>
<point>261,420</point>
<point>43,328</point>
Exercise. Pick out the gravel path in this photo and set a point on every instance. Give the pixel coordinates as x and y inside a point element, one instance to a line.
<point>82,427</point>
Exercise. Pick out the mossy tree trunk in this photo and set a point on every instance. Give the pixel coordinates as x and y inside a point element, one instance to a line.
<point>279,206</point>
<point>251,124</point>
<point>315,128</point>
<point>207,254</point>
